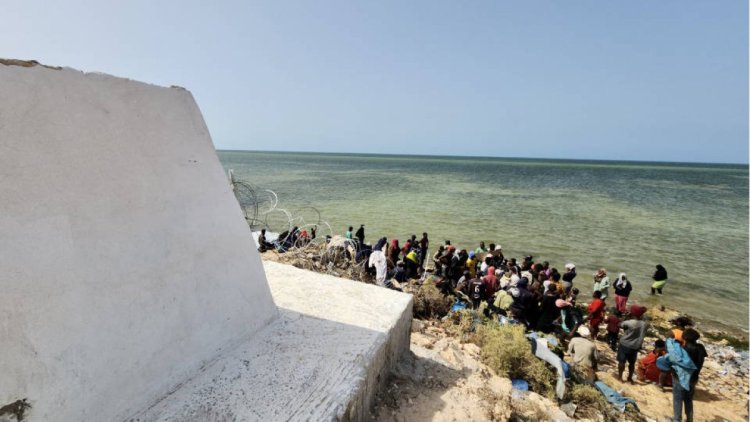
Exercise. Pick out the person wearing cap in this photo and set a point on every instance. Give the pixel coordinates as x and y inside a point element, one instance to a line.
<point>634,330</point>
<point>601,282</point>
<point>471,264</point>
<point>583,352</point>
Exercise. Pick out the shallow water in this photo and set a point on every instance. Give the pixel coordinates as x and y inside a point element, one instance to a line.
<point>625,216</point>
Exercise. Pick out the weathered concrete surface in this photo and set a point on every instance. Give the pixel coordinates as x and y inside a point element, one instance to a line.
<point>125,262</point>
<point>323,359</point>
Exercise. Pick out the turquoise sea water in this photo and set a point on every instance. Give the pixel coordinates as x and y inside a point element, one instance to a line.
<point>625,216</point>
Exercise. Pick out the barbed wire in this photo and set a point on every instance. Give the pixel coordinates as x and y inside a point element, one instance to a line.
<point>326,253</point>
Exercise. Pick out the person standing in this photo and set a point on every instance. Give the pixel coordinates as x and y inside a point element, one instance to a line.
<point>601,283</point>
<point>424,243</point>
<point>631,341</point>
<point>697,354</point>
<point>360,235</point>
<point>567,278</point>
<point>596,313</point>
<point>622,292</point>
<point>660,279</point>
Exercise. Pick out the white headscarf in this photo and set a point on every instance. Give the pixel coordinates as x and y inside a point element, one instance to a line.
<point>622,281</point>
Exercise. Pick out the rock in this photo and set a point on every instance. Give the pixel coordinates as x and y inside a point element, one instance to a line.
<point>569,409</point>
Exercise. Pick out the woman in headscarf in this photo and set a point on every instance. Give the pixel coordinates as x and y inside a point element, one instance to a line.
<point>601,282</point>
<point>622,292</point>
<point>660,279</point>
<point>394,252</point>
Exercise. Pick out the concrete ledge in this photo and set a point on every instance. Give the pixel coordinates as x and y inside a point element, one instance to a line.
<point>323,359</point>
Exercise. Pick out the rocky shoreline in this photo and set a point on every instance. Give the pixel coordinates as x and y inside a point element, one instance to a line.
<point>722,393</point>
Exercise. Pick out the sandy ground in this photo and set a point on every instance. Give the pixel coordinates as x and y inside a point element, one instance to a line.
<point>444,380</point>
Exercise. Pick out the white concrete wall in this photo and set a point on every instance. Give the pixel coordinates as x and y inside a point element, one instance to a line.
<point>125,262</point>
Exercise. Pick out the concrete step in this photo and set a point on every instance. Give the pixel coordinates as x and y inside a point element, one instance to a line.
<point>324,358</point>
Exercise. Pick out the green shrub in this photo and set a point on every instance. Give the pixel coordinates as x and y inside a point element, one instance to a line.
<point>507,351</point>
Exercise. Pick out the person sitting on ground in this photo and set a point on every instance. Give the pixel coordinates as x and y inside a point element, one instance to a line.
<point>646,369</point>
<point>263,244</point>
<point>503,302</point>
<point>622,292</point>
<point>584,354</point>
<point>601,282</point>
<point>400,273</point>
<point>505,280</point>
<point>613,328</point>
<point>660,279</point>
<point>631,341</point>
<point>596,313</point>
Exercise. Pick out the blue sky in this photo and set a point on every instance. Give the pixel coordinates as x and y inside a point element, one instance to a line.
<point>631,80</point>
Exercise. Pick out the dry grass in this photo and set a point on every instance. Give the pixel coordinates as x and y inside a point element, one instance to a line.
<point>507,351</point>
<point>430,302</point>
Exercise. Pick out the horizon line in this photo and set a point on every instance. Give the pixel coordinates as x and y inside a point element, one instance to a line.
<point>489,157</point>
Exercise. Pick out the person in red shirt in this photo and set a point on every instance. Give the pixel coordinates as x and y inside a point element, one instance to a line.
<point>647,371</point>
<point>613,327</point>
<point>596,314</point>
<point>491,284</point>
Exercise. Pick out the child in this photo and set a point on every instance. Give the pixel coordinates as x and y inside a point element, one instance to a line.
<point>613,327</point>
<point>596,314</point>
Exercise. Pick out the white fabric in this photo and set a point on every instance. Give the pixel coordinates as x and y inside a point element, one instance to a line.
<point>378,260</point>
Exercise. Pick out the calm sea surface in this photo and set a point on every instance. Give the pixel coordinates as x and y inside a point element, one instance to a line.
<point>625,216</point>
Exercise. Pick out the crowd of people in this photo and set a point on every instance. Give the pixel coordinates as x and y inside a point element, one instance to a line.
<point>542,299</point>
